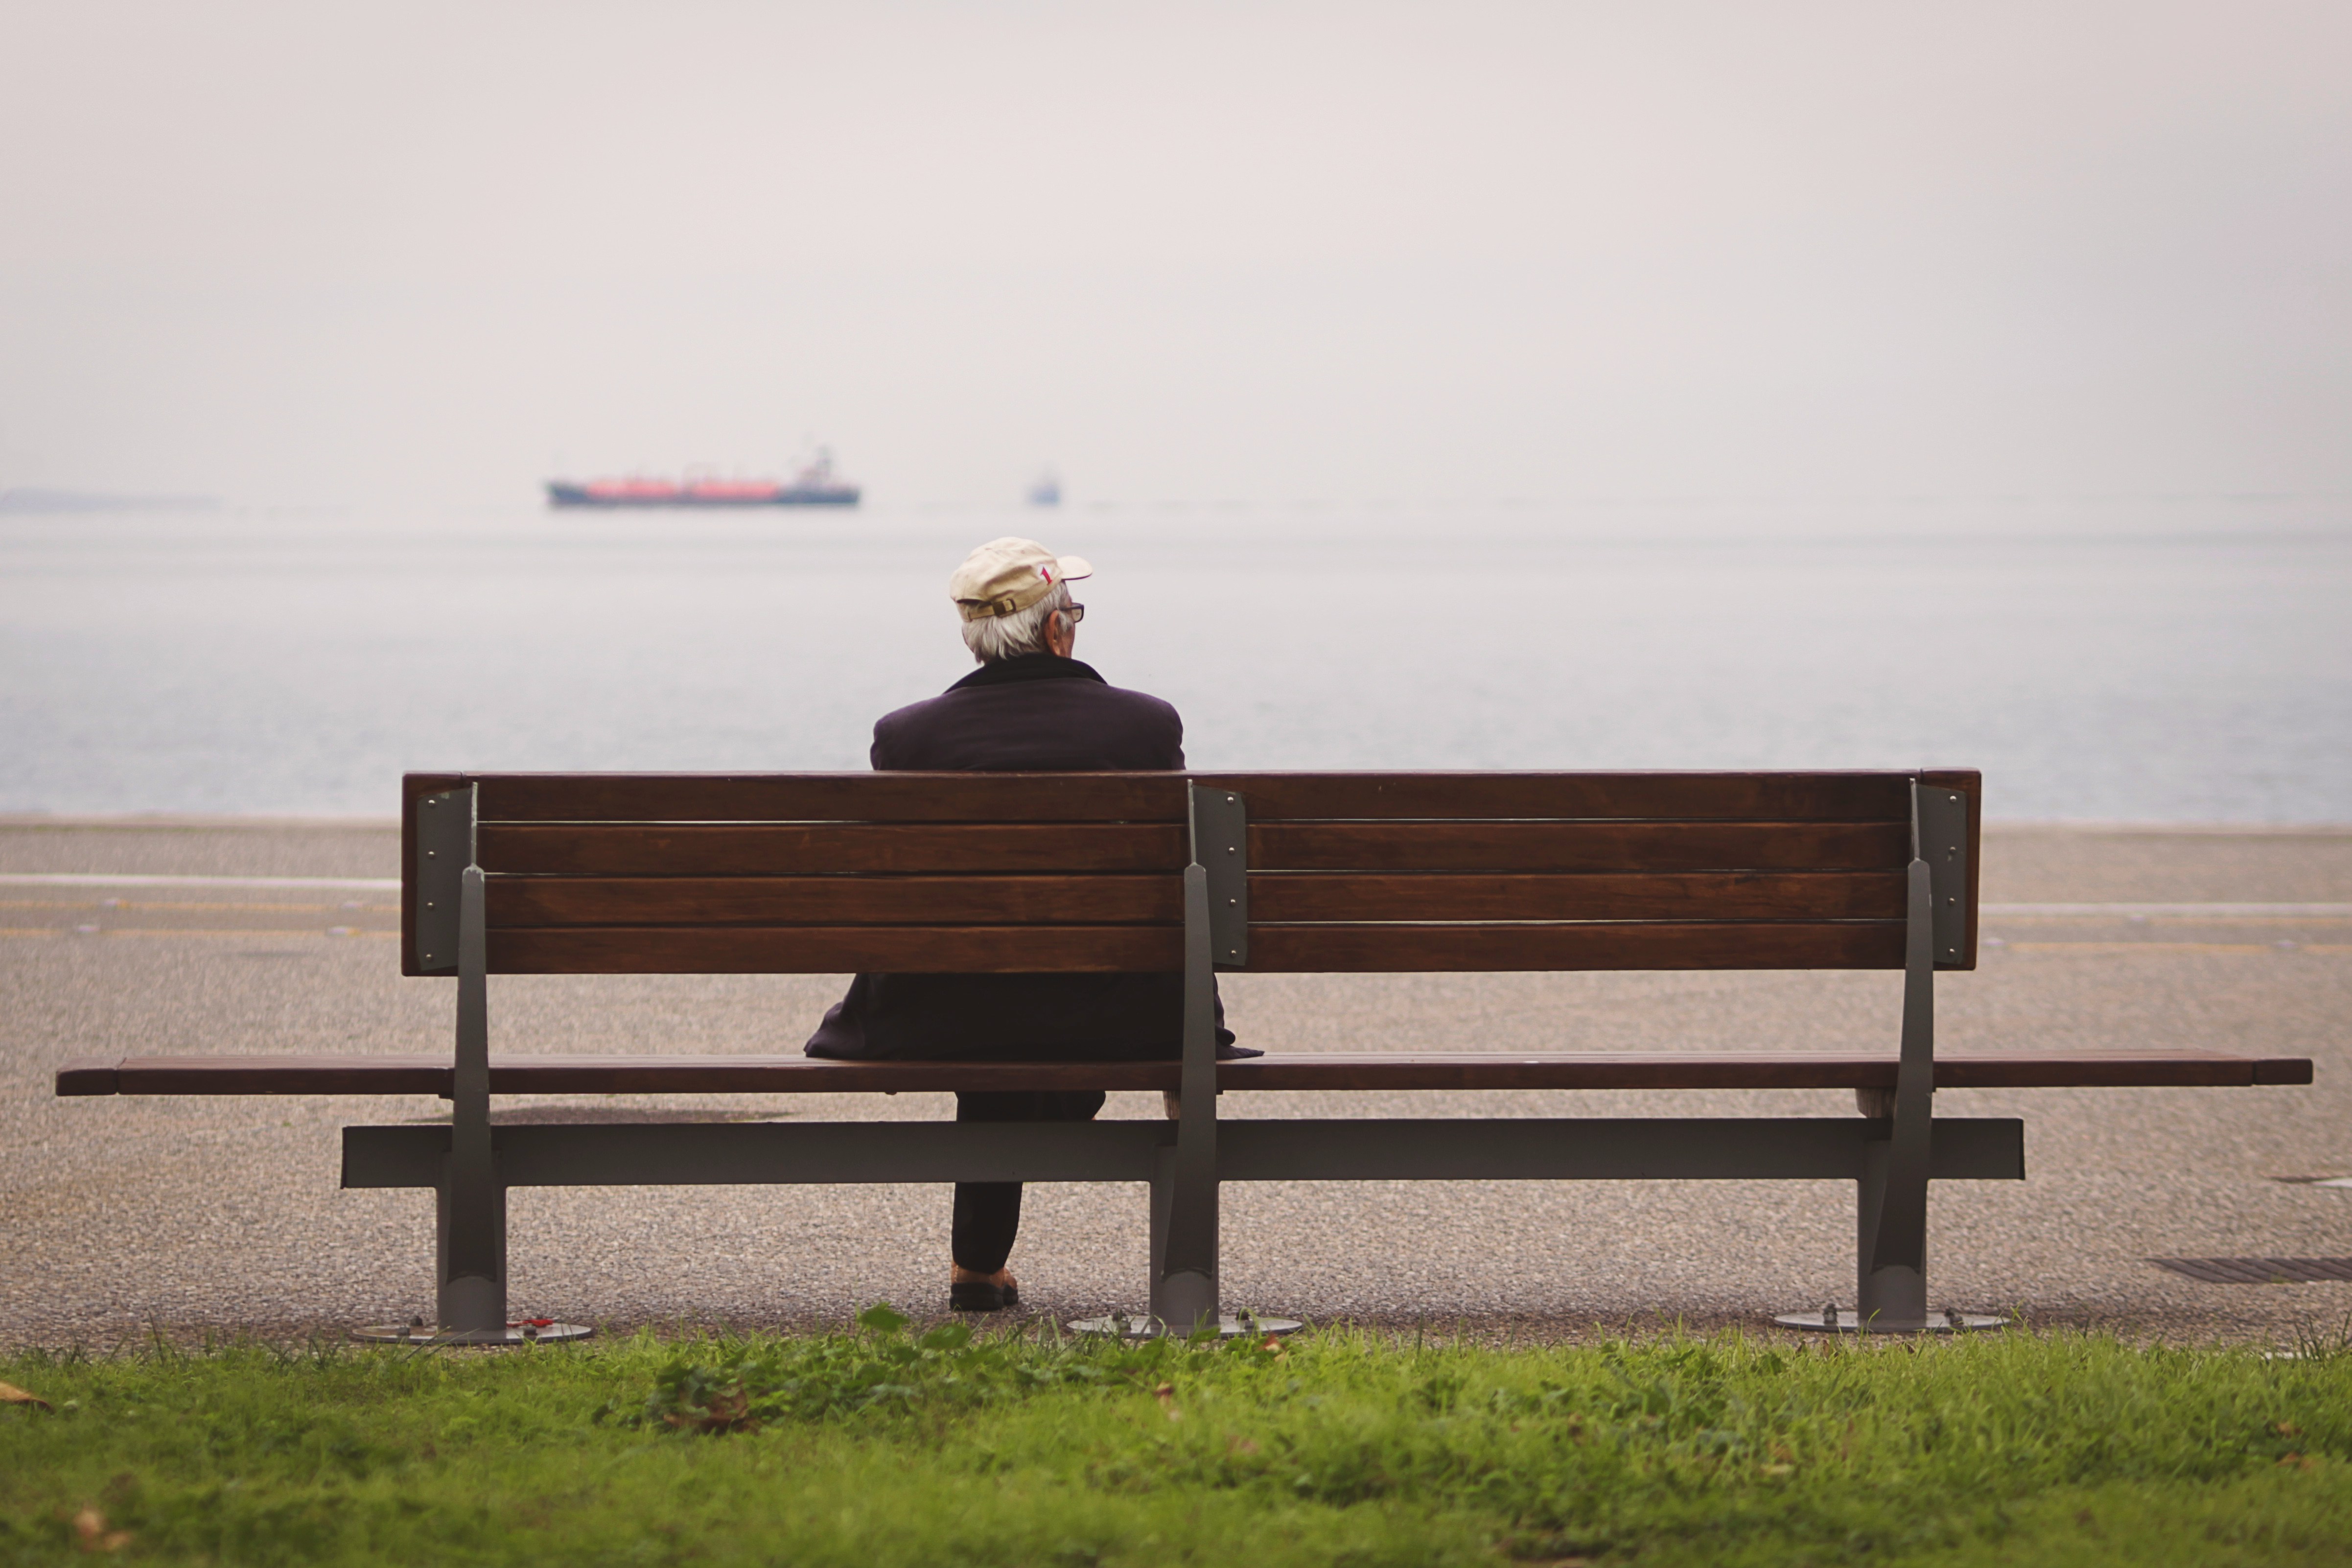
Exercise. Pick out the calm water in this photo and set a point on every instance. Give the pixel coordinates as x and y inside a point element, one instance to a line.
<point>2193,663</point>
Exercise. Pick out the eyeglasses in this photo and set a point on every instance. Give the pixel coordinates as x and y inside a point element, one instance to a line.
<point>1076,612</point>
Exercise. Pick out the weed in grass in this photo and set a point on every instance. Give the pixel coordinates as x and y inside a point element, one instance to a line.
<point>894,1445</point>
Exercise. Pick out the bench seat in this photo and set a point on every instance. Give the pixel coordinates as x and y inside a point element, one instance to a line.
<point>2155,1068</point>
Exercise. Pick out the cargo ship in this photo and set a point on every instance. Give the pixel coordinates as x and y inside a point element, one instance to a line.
<point>814,486</point>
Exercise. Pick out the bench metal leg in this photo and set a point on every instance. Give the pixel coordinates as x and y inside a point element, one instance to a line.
<point>471,1306</point>
<point>1889,1293</point>
<point>473,1223</point>
<point>1169,1310</point>
<point>1891,1266</point>
<point>1891,1200</point>
<point>472,1300</point>
<point>1184,1277</point>
<point>470,1229</point>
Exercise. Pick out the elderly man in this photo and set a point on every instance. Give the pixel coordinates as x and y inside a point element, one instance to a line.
<point>1029,708</point>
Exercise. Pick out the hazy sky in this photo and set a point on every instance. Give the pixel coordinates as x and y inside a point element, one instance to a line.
<point>313,252</point>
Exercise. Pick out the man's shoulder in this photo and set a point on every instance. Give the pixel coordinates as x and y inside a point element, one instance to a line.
<point>1046,724</point>
<point>1101,694</point>
<point>1058,695</point>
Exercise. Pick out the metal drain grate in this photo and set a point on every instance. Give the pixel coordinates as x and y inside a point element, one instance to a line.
<point>2259,1270</point>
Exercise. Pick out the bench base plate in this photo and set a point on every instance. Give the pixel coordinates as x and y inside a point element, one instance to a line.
<point>1947,1322</point>
<point>512,1334</point>
<point>1142,1326</point>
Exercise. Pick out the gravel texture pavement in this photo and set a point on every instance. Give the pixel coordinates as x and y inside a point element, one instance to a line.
<point>121,1215</point>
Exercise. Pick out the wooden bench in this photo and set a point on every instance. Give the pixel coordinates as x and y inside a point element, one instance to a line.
<point>1260,873</point>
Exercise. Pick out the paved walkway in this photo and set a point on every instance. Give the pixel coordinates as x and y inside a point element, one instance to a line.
<point>118,1214</point>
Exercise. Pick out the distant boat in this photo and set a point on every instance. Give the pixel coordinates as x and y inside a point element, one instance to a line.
<point>814,486</point>
<point>1047,490</point>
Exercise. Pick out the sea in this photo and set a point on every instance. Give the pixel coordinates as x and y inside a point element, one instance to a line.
<point>2128,659</point>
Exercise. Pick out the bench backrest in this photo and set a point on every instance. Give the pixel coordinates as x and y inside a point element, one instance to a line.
<point>820,873</point>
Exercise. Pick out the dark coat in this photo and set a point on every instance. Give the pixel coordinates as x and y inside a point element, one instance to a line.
<point>1034,715</point>
<point>1037,714</point>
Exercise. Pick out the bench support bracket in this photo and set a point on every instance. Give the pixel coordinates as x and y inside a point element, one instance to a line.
<point>1943,843</point>
<point>1285,1149</point>
<point>444,848</point>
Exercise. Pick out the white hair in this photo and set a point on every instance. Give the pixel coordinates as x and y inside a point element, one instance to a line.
<point>992,638</point>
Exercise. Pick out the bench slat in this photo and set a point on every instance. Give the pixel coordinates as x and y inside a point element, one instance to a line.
<point>1123,899</point>
<point>671,849</point>
<point>826,797</point>
<point>1424,896</point>
<point>1145,949</point>
<point>1845,797</point>
<point>1625,796</point>
<point>1109,899</point>
<point>1578,846</point>
<point>1406,949</point>
<point>838,950</point>
<point>622,849</point>
<point>1448,1070</point>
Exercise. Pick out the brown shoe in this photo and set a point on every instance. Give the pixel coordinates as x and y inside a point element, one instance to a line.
<point>971,1292</point>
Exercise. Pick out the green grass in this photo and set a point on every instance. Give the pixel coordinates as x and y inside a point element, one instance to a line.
<point>877,1447</point>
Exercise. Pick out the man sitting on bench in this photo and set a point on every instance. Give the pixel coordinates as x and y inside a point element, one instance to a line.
<point>1029,708</point>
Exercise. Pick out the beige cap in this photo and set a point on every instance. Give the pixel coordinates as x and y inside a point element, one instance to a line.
<point>1005,576</point>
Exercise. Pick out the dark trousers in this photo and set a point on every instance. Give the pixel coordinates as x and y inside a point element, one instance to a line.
<point>988,1214</point>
